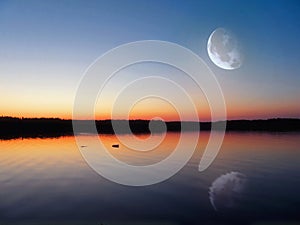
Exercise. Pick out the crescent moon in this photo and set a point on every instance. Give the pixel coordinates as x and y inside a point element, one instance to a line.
<point>223,49</point>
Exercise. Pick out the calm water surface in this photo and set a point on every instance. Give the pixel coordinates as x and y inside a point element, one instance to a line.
<point>46,181</point>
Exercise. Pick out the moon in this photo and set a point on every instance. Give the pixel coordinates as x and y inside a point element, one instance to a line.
<point>226,191</point>
<point>224,50</point>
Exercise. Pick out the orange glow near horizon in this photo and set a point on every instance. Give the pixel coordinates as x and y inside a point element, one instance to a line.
<point>158,109</point>
<point>154,109</point>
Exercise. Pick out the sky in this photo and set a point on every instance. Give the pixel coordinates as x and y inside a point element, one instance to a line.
<point>47,46</point>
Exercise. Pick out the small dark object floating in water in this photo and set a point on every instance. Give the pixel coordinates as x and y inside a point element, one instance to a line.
<point>115,146</point>
<point>83,146</point>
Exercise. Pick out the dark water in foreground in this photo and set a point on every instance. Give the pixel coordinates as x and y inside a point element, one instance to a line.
<point>46,181</point>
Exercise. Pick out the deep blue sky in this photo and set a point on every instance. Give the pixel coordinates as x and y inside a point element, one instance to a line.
<point>45,46</point>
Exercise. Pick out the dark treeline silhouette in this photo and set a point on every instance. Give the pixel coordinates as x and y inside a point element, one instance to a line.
<point>11,127</point>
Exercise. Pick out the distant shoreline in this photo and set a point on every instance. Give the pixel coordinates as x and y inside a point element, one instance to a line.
<point>12,127</point>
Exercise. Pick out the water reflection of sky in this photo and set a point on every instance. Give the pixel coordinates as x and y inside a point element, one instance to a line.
<point>47,180</point>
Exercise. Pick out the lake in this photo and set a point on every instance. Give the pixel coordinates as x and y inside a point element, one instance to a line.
<point>255,179</point>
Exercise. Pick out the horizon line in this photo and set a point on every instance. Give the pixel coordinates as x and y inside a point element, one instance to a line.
<point>140,119</point>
